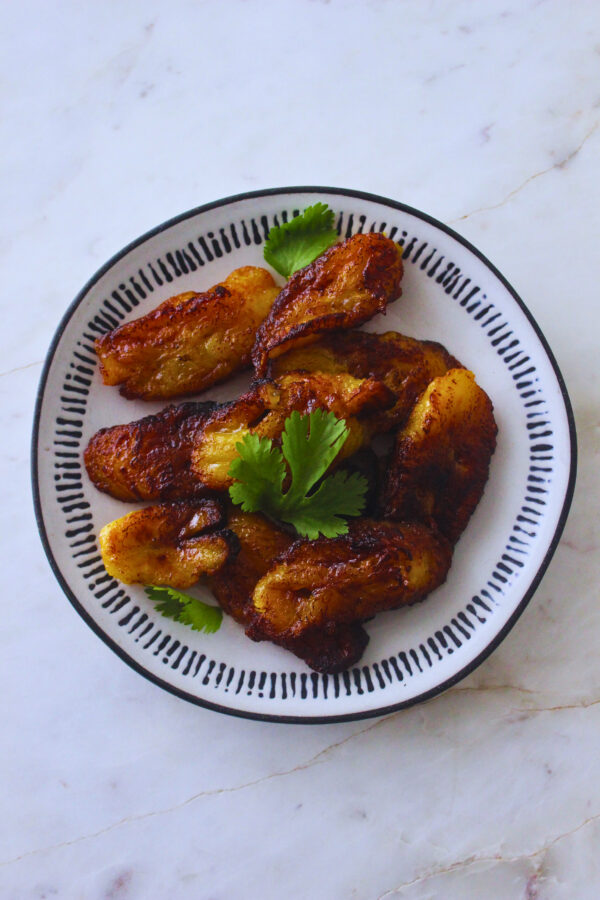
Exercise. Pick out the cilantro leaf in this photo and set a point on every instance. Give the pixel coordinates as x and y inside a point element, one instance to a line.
<point>260,471</point>
<point>310,443</point>
<point>309,453</point>
<point>294,244</point>
<point>341,494</point>
<point>201,616</point>
<point>183,608</point>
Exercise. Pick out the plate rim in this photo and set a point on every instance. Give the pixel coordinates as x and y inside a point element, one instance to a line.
<point>271,717</point>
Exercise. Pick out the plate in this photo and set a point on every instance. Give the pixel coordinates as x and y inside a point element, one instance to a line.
<point>451,294</point>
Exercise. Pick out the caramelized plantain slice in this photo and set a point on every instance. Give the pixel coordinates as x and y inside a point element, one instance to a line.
<point>342,288</point>
<point>149,459</point>
<point>329,649</point>
<point>264,409</point>
<point>440,462</point>
<point>332,581</point>
<point>171,544</point>
<point>260,542</point>
<point>190,341</point>
<point>405,365</point>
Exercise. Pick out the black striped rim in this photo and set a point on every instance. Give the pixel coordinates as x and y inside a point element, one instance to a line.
<point>380,711</point>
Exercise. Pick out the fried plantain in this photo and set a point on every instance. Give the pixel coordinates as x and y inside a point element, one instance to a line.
<point>264,409</point>
<point>190,341</point>
<point>260,542</point>
<point>342,288</point>
<point>404,364</point>
<point>171,544</point>
<point>149,459</point>
<point>328,649</point>
<point>440,462</point>
<point>333,581</point>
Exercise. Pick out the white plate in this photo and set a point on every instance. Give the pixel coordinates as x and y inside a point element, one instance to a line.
<point>451,294</point>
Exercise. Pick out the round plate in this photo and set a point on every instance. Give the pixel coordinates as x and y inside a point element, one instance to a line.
<point>451,294</point>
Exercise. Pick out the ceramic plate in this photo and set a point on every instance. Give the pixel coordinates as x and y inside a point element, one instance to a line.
<point>451,294</point>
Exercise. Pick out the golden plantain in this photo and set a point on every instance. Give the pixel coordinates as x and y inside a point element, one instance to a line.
<point>190,341</point>
<point>332,581</point>
<point>405,365</point>
<point>149,459</point>
<point>264,409</point>
<point>328,649</point>
<point>440,462</point>
<point>342,288</point>
<point>169,544</point>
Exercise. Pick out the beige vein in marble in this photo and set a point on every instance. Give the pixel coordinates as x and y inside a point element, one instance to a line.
<point>321,757</point>
<point>558,165</point>
<point>127,820</point>
<point>494,859</point>
<point>38,362</point>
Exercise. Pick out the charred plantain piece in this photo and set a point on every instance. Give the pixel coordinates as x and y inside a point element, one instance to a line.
<point>190,341</point>
<point>404,364</point>
<point>440,462</point>
<point>333,581</point>
<point>260,542</point>
<point>149,459</point>
<point>328,649</point>
<point>342,288</point>
<point>172,544</point>
<point>264,409</point>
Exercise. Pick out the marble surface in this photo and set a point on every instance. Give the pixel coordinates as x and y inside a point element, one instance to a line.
<point>117,116</point>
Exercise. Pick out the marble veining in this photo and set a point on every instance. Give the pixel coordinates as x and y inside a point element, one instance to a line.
<point>116,118</point>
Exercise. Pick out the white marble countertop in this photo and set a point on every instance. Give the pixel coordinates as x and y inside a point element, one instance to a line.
<point>117,116</point>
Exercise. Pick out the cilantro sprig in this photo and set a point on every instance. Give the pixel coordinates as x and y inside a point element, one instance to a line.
<point>185,609</point>
<point>296,243</point>
<point>309,445</point>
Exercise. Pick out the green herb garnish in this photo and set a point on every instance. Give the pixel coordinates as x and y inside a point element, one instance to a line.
<point>175,605</point>
<point>296,243</point>
<point>309,444</point>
